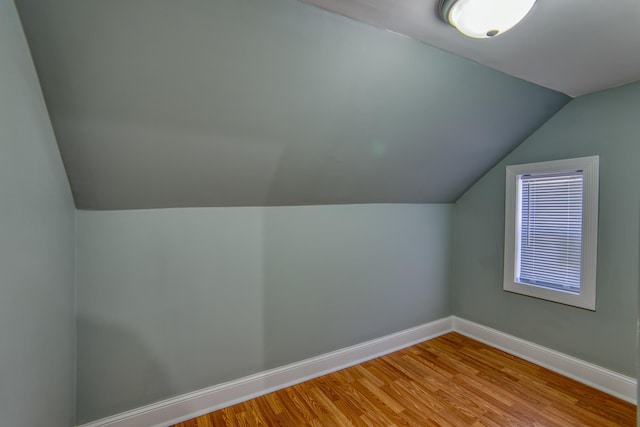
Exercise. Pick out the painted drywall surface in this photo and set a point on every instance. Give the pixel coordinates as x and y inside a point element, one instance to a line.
<point>605,124</point>
<point>338,276</point>
<point>37,350</point>
<point>164,103</point>
<point>171,301</point>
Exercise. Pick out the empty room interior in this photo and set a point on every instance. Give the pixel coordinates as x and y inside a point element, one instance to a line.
<point>319,212</point>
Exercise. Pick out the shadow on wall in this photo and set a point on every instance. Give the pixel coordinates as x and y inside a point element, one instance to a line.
<point>122,364</point>
<point>177,300</point>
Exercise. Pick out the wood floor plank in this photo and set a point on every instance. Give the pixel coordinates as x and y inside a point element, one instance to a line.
<point>449,381</point>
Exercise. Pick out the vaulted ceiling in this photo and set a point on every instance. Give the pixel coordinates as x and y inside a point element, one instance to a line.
<point>163,103</point>
<point>571,46</point>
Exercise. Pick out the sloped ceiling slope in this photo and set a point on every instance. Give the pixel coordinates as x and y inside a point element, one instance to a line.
<point>572,46</point>
<point>163,103</point>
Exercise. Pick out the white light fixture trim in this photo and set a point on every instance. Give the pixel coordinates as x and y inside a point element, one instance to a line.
<point>482,19</point>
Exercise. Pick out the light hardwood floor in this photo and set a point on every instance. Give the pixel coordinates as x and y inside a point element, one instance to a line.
<point>448,381</point>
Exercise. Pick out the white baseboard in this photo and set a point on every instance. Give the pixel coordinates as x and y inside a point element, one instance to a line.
<point>603,379</point>
<point>191,405</point>
<point>201,402</point>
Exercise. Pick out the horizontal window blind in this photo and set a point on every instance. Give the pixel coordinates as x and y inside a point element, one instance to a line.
<point>549,247</point>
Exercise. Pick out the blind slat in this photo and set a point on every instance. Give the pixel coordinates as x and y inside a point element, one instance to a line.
<point>550,230</point>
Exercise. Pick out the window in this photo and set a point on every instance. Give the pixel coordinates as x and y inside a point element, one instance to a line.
<point>551,230</point>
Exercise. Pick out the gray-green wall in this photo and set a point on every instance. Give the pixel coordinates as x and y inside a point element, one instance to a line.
<point>607,124</point>
<point>37,354</point>
<point>170,301</point>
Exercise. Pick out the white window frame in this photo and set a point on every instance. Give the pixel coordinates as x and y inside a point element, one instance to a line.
<point>587,296</point>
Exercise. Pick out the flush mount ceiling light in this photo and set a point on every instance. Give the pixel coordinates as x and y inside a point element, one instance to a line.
<point>482,19</point>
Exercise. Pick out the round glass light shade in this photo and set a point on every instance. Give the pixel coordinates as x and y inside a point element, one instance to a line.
<point>484,18</point>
